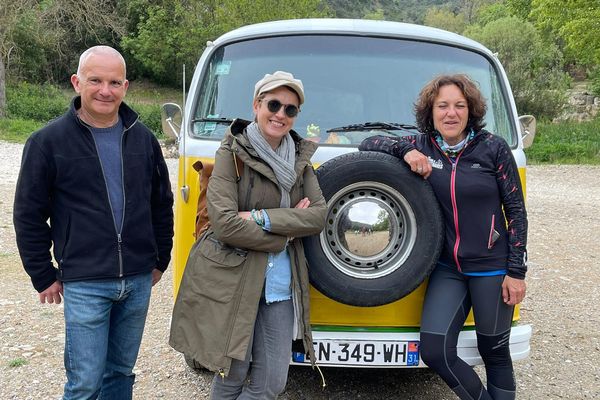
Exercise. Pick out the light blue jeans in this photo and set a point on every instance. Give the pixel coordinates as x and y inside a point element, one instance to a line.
<point>271,350</point>
<point>104,325</point>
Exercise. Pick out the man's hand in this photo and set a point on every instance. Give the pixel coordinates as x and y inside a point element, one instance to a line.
<point>53,294</point>
<point>513,290</point>
<point>156,275</point>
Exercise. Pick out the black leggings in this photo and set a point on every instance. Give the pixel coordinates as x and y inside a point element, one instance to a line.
<point>448,300</point>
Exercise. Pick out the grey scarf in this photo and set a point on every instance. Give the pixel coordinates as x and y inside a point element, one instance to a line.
<point>281,160</point>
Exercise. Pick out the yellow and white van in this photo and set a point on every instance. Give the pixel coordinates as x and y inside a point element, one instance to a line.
<point>361,78</point>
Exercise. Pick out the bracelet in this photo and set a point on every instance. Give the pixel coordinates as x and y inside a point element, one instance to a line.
<point>259,219</point>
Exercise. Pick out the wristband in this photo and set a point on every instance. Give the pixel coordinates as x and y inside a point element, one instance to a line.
<point>258,217</point>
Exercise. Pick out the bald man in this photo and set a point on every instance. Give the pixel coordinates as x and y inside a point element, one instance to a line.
<point>94,223</point>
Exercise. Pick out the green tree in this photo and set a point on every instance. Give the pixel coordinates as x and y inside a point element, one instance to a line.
<point>469,9</point>
<point>492,12</point>
<point>534,67</point>
<point>576,22</point>
<point>40,40</point>
<point>169,34</point>
<point>10,15</point>
<point>445,19</point>
<point>235,13</point>
<point>519,8</point>
<point>376,14</point>
<point>350,8</point>
<point>456,18</point>
<point>383,221</point>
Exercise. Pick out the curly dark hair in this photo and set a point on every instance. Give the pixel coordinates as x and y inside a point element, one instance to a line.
<point>424,104</point>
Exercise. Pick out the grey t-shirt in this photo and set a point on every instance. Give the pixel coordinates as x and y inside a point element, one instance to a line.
<point>108,143</point>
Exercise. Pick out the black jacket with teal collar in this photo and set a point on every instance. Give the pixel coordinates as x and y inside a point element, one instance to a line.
<point>62,202</point>
<point>481,199</point>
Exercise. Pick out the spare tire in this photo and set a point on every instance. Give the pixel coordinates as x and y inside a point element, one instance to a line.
<point>384,230</point>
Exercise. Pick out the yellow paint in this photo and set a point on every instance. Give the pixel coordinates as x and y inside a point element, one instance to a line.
<point>405,312</point>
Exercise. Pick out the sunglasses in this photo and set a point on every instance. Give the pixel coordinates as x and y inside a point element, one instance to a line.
<point>290,110</point>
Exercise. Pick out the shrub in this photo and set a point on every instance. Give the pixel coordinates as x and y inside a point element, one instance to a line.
<point>595,81</point>
<point>149,115</point>
<point>534,68</point>
<point>35,102</point>
<point>30,106</point>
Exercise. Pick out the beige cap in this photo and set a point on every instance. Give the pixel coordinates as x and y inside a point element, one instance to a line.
<point>277,79</point>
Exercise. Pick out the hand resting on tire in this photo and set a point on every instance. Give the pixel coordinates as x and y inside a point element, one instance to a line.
<point>418,162</point>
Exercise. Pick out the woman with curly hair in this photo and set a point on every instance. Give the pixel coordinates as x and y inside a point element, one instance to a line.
<point>482,265</point>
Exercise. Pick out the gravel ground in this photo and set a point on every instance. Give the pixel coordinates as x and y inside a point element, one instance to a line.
<point>561,305</point>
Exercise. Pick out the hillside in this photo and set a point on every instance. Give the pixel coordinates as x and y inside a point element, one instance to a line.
<point>393,10</point>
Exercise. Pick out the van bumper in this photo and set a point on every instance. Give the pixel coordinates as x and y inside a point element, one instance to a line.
<point>520,337</point>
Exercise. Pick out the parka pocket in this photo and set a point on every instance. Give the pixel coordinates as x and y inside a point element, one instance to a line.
<point>215,269</point>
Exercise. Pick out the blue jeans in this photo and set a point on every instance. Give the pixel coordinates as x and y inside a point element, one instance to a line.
<point>104,325</point>
<point>271,350</point>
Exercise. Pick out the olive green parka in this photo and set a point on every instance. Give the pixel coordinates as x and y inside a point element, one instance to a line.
<point>216,307</point>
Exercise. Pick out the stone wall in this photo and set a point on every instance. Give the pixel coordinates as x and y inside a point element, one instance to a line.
<point>581,105</point>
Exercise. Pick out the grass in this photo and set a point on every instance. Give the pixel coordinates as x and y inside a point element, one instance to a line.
<point>144,92</point>
<point>23,120</point>
<point>563,143</point>
<point>17,362</point>
<point>566,143</point>
<point>18,130</point>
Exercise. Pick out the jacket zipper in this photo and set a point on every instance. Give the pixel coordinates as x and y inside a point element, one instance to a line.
<point>455,211</point>
<point>118,231</point>
<point>453,200</point>
<point>119,241</point>
<point>492,228</point>
<point>119,237</point>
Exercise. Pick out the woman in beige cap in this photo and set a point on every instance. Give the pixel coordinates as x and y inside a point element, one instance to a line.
<point>246,282</point>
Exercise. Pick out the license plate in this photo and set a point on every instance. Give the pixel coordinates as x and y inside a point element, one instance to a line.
<point>363,353</point>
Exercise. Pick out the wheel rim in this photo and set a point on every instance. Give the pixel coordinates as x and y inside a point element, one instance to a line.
<point>370,232</point>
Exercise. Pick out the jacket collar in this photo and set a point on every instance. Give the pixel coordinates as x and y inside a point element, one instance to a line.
<point>128,116</point>
<point>238,141</point>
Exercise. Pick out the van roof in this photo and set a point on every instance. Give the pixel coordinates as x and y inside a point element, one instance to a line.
<point>358,27</point>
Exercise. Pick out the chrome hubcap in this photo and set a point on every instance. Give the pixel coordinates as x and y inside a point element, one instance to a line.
<point>370,232</point>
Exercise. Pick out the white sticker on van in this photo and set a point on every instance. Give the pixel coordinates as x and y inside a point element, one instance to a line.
<point>223,68</point>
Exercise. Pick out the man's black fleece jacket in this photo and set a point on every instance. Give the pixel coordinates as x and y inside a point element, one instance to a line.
<point>62,202</point>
